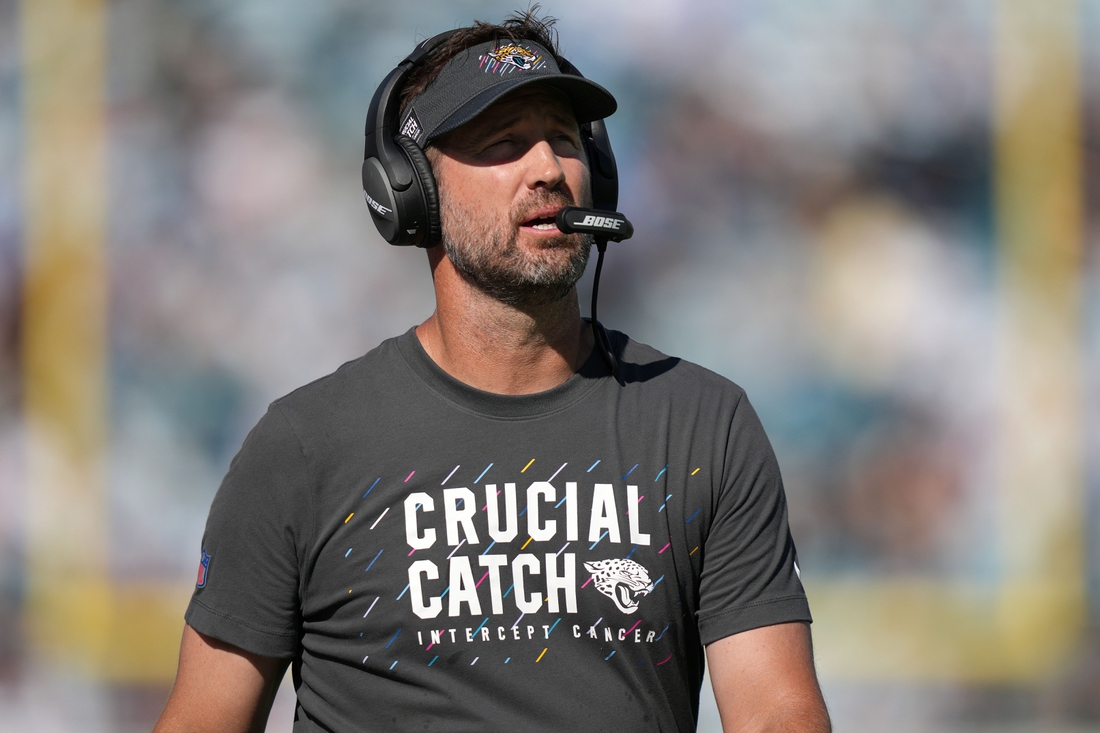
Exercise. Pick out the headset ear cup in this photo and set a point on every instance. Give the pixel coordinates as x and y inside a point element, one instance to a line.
<point>603,171</point>
<point>426,179</point>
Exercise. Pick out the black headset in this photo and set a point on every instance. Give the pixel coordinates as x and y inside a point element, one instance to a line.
<point>398,183</point>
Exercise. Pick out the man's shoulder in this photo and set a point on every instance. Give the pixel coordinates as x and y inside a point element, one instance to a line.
<point>650,368</point>
<point>355,383</point>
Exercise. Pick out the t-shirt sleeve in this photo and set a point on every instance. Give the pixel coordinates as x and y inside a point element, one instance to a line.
<point>247,589</point>
<point>750,574</point>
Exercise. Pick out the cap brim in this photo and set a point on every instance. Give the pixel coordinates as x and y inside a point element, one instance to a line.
<point>590,101</point>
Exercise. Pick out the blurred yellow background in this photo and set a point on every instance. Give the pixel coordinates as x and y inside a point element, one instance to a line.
<point>878,218</point>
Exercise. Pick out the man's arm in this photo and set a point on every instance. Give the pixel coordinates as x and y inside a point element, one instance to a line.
<point>220,688</point>
<point>764,680</point>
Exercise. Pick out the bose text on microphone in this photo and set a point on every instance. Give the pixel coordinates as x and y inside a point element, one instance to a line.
<point>609,224</point>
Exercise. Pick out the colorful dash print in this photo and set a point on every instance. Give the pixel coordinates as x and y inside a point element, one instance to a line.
<point>484,508</point>
<point>374,560</point>
<point>482,474</point>
<point>380,518</point>
<point>372,486</point>
<point>460,544</point>
<point>557,472</point>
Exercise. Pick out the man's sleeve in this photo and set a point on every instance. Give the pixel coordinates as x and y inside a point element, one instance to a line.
<point>750,574</point>
<point>247,588</point>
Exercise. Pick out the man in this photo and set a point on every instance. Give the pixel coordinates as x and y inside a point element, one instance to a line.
<point>477,526</point>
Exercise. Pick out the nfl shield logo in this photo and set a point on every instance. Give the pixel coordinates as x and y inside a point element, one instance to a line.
<point>204,565</point>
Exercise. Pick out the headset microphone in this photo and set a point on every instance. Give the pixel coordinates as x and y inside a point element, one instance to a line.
<point>604,226</point>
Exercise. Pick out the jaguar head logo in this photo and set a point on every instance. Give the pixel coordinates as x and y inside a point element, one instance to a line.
<point>623,581</point>
<point>517,56</point>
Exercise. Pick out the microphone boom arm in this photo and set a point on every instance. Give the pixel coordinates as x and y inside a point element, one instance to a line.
<point>604,226</point>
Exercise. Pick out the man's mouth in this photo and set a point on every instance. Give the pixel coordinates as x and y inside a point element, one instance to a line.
<point>542,223</point>
<point>542,219</point>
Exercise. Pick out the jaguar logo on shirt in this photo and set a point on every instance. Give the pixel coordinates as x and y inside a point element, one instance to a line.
<point>623,581</point>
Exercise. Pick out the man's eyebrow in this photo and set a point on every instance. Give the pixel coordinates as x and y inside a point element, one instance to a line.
<point>566,120</point>
<point>499,124</point>
<point>559,117</point>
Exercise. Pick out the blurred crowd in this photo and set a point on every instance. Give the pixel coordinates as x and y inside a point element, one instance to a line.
<point>811,186</point>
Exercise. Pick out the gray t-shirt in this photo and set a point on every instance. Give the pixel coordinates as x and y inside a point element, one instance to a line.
<point>433,557</point>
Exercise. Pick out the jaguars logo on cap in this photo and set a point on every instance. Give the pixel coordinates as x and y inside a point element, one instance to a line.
<point>512,55</point>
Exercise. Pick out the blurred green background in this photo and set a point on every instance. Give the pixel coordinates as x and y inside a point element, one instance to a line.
<point>880,218</point>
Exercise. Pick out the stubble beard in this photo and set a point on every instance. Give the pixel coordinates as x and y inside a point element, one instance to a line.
<point>486,250</point>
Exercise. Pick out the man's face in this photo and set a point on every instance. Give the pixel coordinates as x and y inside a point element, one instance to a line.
<point>502,178</point>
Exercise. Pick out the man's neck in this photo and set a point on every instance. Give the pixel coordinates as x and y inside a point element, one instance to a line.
<point>501,348</point>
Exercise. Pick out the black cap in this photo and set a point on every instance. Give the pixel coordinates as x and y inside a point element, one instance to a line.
<point>482,74</point>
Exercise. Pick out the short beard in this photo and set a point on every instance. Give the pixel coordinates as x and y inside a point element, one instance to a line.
<point>486,251</point>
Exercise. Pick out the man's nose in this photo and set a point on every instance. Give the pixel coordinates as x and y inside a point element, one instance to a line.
<point>544,170</point>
